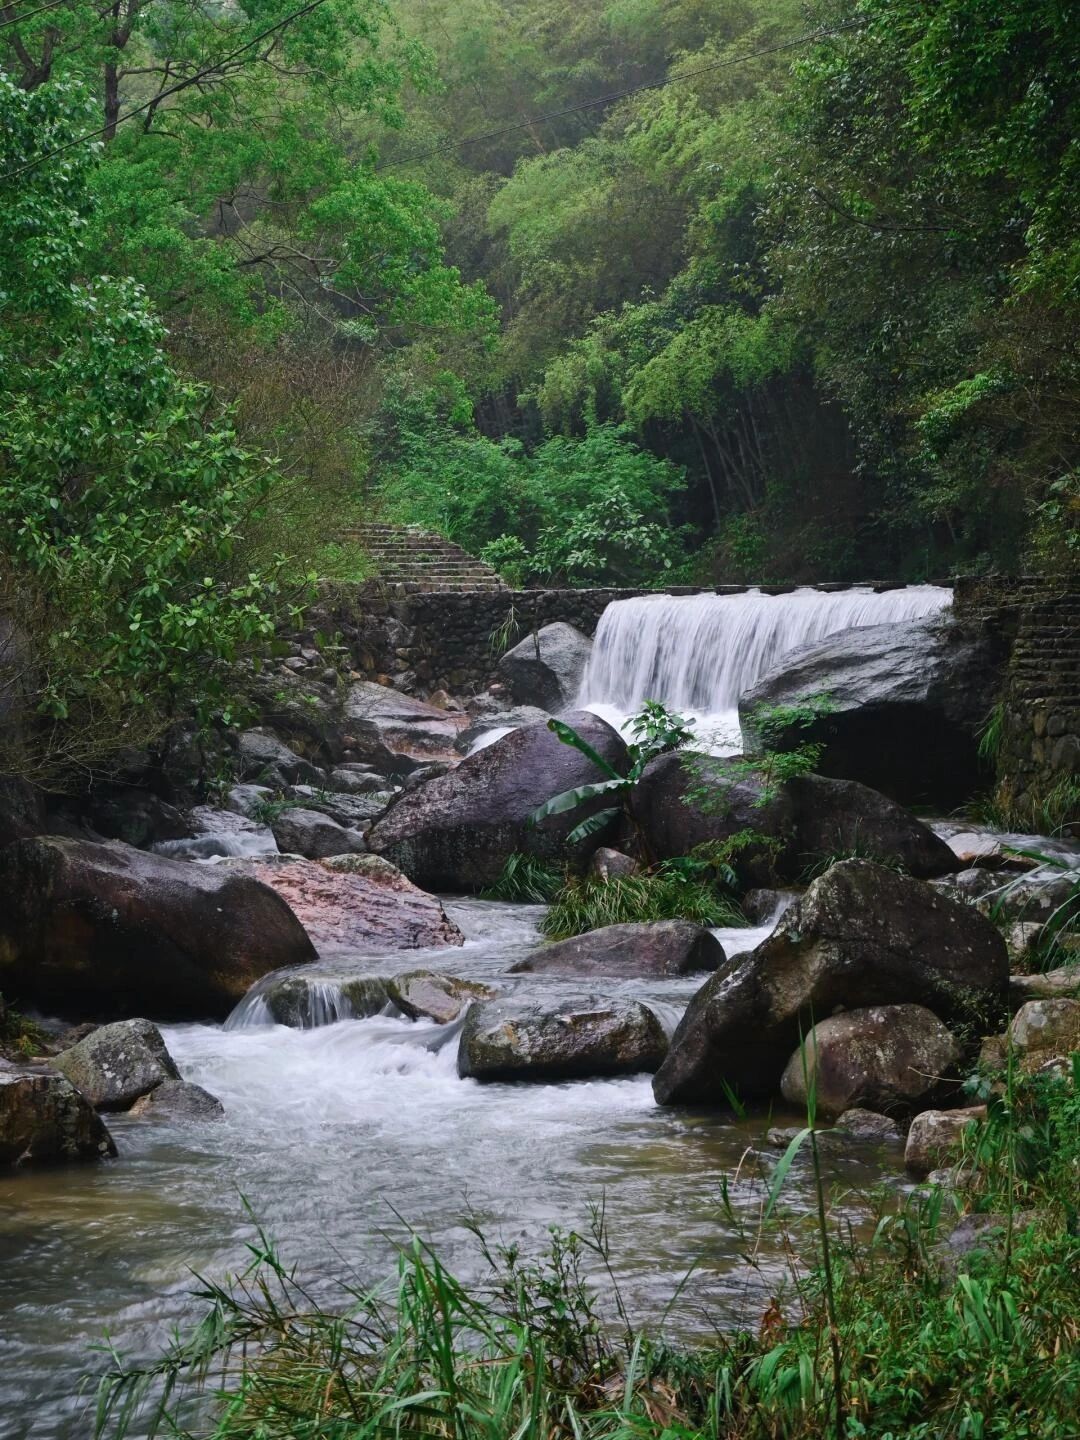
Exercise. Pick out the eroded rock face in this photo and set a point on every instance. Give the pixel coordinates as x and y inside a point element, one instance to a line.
<point>545,669</point>
<point>908,702</point>
<point>861,935</point>
<point>362,910</point>
<point>519,1040</point>
<point>497,718</point>
<point>45,1121</point>
<point>424,995</point>
<point>663,947</point>
<point>456,832</point>
<point>395,732</point>
<point>684,800</point>
<point>117,1064</point>
<point>935,1137</point>
<point>265,760</point>
<point>885,1057</point>
<point>107,930</point>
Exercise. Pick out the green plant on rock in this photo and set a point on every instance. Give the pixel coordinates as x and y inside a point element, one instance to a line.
<point>525,878</point>
<point>655,731</point>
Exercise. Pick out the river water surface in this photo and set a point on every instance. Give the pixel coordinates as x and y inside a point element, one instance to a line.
<point>340,1138</point>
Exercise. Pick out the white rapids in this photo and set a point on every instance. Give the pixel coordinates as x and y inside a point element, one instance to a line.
<point>698,653</point>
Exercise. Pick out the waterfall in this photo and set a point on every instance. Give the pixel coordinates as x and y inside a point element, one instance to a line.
<point>699,653</point>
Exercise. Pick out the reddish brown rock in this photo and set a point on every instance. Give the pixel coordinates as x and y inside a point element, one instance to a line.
<point>376,909</point>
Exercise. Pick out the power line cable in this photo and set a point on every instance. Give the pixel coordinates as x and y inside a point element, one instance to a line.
<point>163,94</point>
<point>602,100</point>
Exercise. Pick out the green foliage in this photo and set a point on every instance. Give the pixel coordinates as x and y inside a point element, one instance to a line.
<point>125,503</point>
<point>19,1037</point>
<point>524,878</point>
<point>655,731</point>
<point>670,891</point>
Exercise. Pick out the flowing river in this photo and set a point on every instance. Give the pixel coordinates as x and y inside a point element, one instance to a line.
<point>340,1138</point>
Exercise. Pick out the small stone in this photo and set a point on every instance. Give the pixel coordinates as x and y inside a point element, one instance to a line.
<point>424,995</point>
<point>179,1100</point>
<point>868,1125</point>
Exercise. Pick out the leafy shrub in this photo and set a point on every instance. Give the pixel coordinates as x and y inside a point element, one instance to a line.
<point>524,878</point>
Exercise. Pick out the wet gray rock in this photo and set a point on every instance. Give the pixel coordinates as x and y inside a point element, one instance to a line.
<point>137,817</point>
<point>762,906</point>
<point>659,948</point>
<point>423,773</point>
<point>884,1057</point>
<point>312,834</point>
<point>347,781</point>
<point>45,1121</point>
<point>869,1126</point>
<point>456,833</point>
<point>116,1064</point>
<point>935,1137</point>
<point>264,759</point>
<point>546,668</point>
<point>685,800</point>
<point>1065,981</point>
<point>352,812</point>
<point>522,1040</point>
<point>179,1100</point>
<point>220,832</point>
<point>424,995</point>
<point>109,930</point>
<point>248,800</point>
<point>908,703</point>
<point>861,935</point>
<point>608,864</point>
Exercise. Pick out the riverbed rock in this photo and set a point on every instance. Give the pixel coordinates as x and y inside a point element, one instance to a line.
<point>117,1064</point>
<point>608,864</point>
<point>136,816</point>
<point>107,930</point>
<point>425,995</point>
<point>313,835</point>
<point>1050,985</point>
<point>396,733</point>
<point>179,1100</point>
<point>522,1040</point>
<point>496,719</point>
<point>306,1000</point>
<point>220,832</point>
<point>869,1126</point>
<point>456,833</point>
<point>1046,1025</point>
<point>781,831</point>
<point>546,668</point>
<point>658,948</point>
<point>861,935</point>
<point>353,812</point>
<point>348,913</point>
<point>265,760</point>
<point>906,705</point>
<point>886,1057</point>
<point>45,1121</point>
<point>935,1137</point>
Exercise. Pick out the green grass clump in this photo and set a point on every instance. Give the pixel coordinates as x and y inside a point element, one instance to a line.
<point>526,879</point>
<point>19,1037</point>
<point>663,894</point>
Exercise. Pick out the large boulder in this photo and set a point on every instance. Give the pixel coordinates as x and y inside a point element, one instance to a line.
<point>1052,1025</point>
<point>489,726</point>
<point>660,948</point>
<point>906,703</point>
<point>263,758</point>
<point>45,1121</point>
<point>936,1136</point>
<point>546,668</point>
<point>373,908</point>
<point>778,831</point>
<point>397,733</point>
<point>886,1057</point>
<point>107,930</point>
<point>117,1064</point>
<point>456,832</point>
<point>522,1040</point>
<point>861,935</point>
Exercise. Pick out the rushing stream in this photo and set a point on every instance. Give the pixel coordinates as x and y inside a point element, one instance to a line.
<point>340,1137</point>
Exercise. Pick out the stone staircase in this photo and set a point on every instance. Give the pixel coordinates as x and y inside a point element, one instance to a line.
<point>412,561</point>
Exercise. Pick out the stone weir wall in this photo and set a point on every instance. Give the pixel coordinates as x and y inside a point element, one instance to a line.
<point>451,640</point>
<point>1039,718</point>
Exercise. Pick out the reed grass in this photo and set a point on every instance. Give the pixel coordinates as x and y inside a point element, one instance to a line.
<point>662,894</point>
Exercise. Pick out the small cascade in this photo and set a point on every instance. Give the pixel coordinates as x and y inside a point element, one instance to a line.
<point>310,1003</point>
<point>699,653</point>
